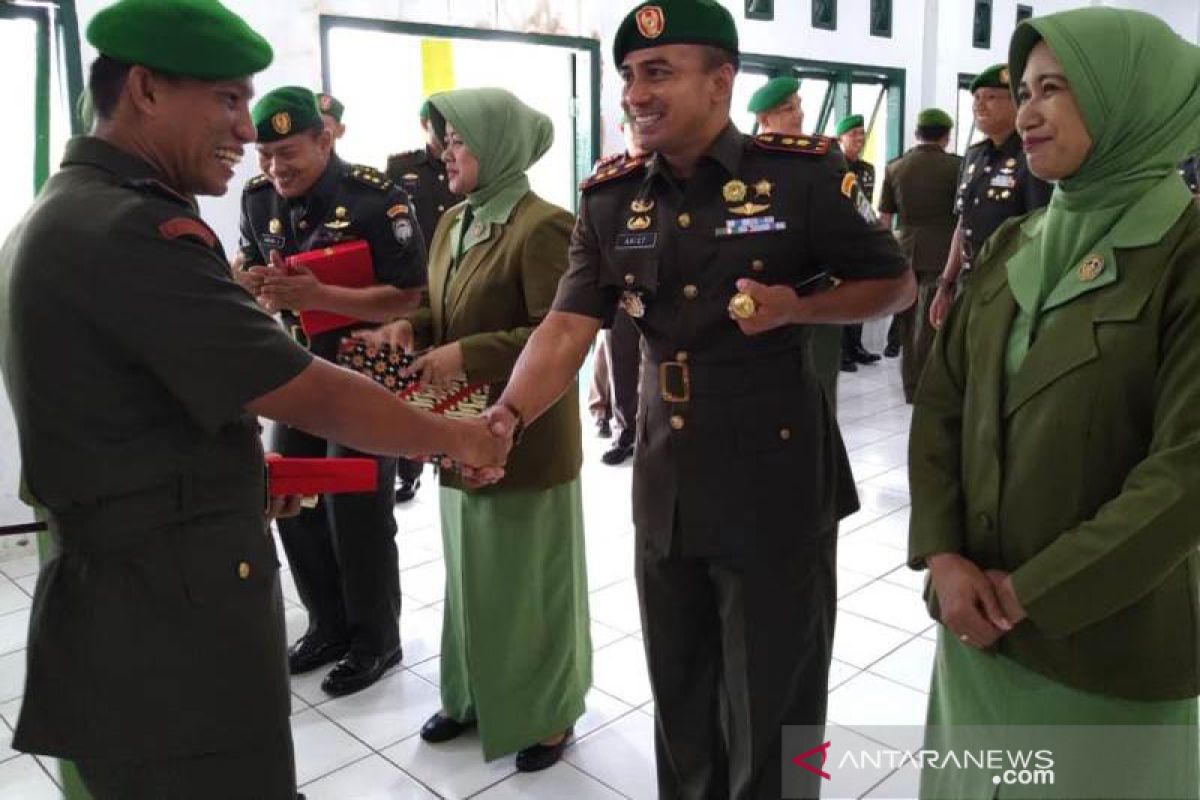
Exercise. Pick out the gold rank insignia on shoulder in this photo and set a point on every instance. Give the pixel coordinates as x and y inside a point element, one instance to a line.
<point>275,227</point>
<point>613,167</point>
<point>641,205</point>
<point>803,145</point>
<point>734,191</point>
<point>340,220</point>
<point>638,223</point>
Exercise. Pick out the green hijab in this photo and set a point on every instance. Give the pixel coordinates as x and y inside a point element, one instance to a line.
<point>504,134</point>
<point>1137,84</point>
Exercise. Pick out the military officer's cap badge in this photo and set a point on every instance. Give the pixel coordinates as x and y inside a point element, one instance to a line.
<point>651,22</point>
<point>281,123</point>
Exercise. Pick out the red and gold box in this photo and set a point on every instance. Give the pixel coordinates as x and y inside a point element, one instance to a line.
<point>346,265</point>
<point>313,476</point>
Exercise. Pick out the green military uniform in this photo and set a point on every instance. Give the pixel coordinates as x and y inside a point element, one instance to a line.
<point>422,176</point>
<point>919,188</point>
<point>995,182</point>
<point>343,553</point>
<point>853,351</point>
<point>156,645</point>
<point>740,475</point>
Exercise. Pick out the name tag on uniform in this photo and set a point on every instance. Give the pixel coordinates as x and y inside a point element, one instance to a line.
<point>636,241</point>
<point>272,242</point>
<point>750,225</point>
<point>1004,181</point>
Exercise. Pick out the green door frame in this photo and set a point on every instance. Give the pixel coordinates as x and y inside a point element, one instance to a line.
<point>841,77</point>
<point>583,162</point>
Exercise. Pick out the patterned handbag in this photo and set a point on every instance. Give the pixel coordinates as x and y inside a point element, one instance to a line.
<point>383,365</point>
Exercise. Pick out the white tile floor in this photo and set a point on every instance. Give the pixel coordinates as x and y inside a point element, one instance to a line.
<point>365,747</point>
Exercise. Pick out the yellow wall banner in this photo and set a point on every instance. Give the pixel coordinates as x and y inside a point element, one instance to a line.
<point>437,65</point>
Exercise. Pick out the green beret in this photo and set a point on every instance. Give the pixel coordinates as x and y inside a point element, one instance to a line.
<point>849,123</point>
<point>285,112</point>
<point>934,117</point>
<point>328,104</point>
<point>190,38</point>
<point>425,111</point>
<point>662,22</point>
<point>773,93</point>
<point>994,77</point>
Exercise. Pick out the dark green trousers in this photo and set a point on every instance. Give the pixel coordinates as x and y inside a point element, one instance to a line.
<point>267,773</point>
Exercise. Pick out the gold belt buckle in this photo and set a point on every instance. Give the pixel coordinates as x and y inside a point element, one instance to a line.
<point>685,382</point>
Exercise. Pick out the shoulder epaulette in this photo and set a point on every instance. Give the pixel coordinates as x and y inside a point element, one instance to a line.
<point>612,167</point>
<point>370,176</point>
<point>807,145</point>
<point>405,160</point>
<point>257,182</point>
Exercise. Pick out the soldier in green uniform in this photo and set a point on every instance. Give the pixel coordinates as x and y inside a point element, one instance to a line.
<point>135,364</point>
<point>852,136</point>
<point>919,189</point>
<point>422,175</point>
<point>740,475</point>
<point>332,110</point>
<point>995,183</point>
<point>777,110</point>
<point>342,553</point>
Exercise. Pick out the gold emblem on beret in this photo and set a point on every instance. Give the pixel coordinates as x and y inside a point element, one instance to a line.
<point>281,123</point>
<point>734,191</point>
<point>638,223</point>
<point>641,205</point>
<point>275,227</point>
<point>742,306</point>
<point>326,102</point>
<point>1091,268</point>
<point>650,22</point>
<point>633,305</point>
<point>1004,75</point>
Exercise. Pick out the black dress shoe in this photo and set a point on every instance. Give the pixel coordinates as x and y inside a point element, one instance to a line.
<point>603,429</point>
<point>540,756</point>
<point>892,350</point>
<point>406,490</point>
<point>617,454</point>
<point>308,653</point>
<point>864,356</point>
<point>848,365</point>
<point>356,671</point>
<point>440,728</point>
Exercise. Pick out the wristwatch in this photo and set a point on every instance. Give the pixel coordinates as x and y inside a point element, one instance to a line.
<point>519,428</point>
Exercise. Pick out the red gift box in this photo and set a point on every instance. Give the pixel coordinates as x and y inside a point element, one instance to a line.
<point>346,265</point>
<point>312,476</point>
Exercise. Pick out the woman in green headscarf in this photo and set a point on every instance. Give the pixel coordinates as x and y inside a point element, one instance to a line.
<point>1055,450</point>
<point>516,649</point>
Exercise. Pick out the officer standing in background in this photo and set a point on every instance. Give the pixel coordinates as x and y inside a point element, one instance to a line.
<point>740,475</point>
<point>995,183</point>
<point>919,188</point>
<point>777,110</point>
<point>342,553</point>
<point>422,176</point>
<point>852,136</point>
<point>331,114</point>
<point>136,368</point>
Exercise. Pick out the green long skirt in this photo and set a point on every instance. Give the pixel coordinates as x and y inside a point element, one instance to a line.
<point>1102,746</point>
<point>516,641</point>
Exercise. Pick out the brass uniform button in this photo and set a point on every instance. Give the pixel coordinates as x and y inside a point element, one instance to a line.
<point>441,207</point>
<point>303,224</point>
<point>677,422</point>
<point>785,433</point>
<point>681,356</point>
<point>757,265</point>
<point>691,292</point>
<point>685,219</point>
<point>243,569</point>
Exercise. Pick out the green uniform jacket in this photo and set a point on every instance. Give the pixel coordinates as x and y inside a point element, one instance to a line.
<point>502,289</point>
<point>1082,476</point>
